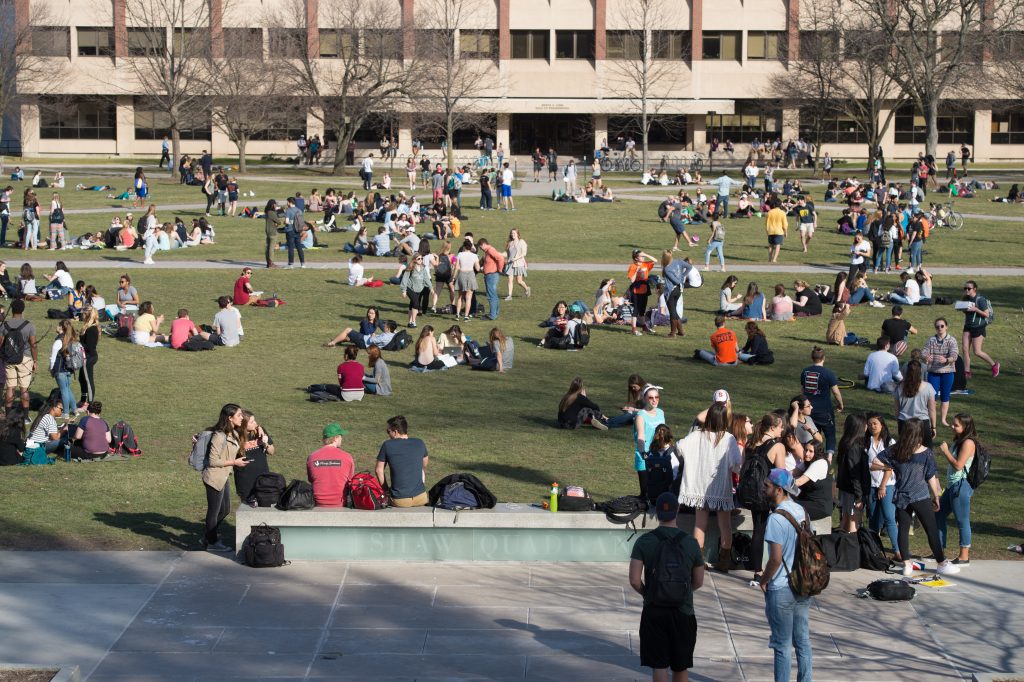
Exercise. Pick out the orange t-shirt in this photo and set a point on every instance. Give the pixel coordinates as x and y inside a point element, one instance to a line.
<point>635,267</point>
<point>724,343</point>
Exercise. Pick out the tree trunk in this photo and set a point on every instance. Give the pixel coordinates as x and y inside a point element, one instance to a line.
<point>931,120</point>
<point>645,129</point>
<point>449,133</point>
<point>342,135</point>
<point>240,143</point>
<point>175,151</point>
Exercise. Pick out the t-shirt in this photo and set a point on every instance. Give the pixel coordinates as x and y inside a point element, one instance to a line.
<point>896,329</point>
<point>381,242</point>
<point>124,296</point>
<point>94,434</point>
<point>780,531</point>
<point>817,382</point>
<point>350,375</point>
<point>466,261</point>
<point>508,355</point>
<point>229,321</point>
<point>775,223</point>
<point>404,456</point>
<point>146,322</point>
<point>805,213</point>
<point>27,332</point>
<point>912,476</point>
<point>813,304</point>
<point>647,547</point>
<point>881,367</point>
<point>63,278</point>
<point>329,470</point>
<point>46,426</point>
<point>241,293</point>
<point>181,329</point>
<point>724,343</point>
<point>858,252</point>
<point>917,405</point>
<point>651,422</point>
<point>805,430</point>
<point>913,291</point>
<point>507,176</point>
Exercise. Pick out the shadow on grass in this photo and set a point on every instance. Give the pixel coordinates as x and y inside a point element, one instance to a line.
<point>510,471</point>
<point>175,532</point>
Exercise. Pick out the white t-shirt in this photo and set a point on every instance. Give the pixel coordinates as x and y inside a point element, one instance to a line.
<point>876,448</point>
<point>913,290</point>
<point>466,261</point>
<point>63,278</point>
<point>817,471</point>
<point>858,252</point>
<point>367,165</point>
<point>355,274</point>
<point>507,176</point>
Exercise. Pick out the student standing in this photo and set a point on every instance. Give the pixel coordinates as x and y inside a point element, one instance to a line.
<point>90,338</point>
<point>292,233</point>
<point>225,454</point>
<point>821,385</point>
<point>976,320</point>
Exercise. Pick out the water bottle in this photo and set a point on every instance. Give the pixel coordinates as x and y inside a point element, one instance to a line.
<point>553,504</point>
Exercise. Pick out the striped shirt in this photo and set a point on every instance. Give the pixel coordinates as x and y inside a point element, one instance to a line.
<point>938,351</point>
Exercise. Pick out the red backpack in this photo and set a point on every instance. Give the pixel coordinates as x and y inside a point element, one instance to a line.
<point>365,492</point>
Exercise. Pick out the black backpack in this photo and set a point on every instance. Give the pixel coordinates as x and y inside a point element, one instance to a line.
<point>980,467</point>
<point>298,495</point>
<point>484,496</point>
<point>891,590</point>
<point>668,582</point>
<point>267,490</point>
<point>871,555</point>
<point>399,341</point>
<point>659,473</point>
<point>443,270</point>
<point>263,548</point>
<point>123,440</point>
<point>582,334</point>
<point>471,351</point>
<point>12,352</point>
<point>574,498</point>
<point>753,474</point>
<point>625,510</point>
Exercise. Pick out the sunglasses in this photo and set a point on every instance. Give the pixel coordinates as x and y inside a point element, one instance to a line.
<point>968,288</point>
<point>940,326</point>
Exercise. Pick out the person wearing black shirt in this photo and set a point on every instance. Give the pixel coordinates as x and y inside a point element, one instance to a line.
<point>576,408</point>
<point>485,193</point>
<point>90,339</point>
<point>756,350</point>
<point>12,438</point>
<point>807,303</point>
<point>257,445</point>
<point>897,329</point>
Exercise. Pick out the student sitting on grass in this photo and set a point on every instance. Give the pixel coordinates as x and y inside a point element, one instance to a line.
<point>377,380</point>
<point>576,409</point>
<point>723,340</point>
<point>45,432</point>
<point>186,336</point>
<point>499,353</point>
<point>350,376</point>
<point>92,435</point>
<point>756,351</point>
<point>146,331</point>
<point>360,340</point>
<point>427,351</point>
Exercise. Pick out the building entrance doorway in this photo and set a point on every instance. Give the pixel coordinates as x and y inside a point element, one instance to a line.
<point>567,134</point>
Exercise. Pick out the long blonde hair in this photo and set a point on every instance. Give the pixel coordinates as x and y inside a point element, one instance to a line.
<point>90,318</point>
<point>68,335</point>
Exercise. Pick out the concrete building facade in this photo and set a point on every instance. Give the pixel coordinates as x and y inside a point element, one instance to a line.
<point>556,76</point>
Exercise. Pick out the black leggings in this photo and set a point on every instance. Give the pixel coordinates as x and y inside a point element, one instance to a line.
<point>642,476</point>
<point>639,305</point>
<point>78,452</point>
<point>756,556</point>
<point>419,299</point>
<point>209,201</point>
<point>671,301</point>
<point>218,506</point>
<point>86,380</point>
<point>926,515</point>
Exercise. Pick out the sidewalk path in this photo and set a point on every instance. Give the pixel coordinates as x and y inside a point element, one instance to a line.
<point>170,616</point>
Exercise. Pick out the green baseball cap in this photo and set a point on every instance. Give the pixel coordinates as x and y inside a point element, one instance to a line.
<point>334,429</point>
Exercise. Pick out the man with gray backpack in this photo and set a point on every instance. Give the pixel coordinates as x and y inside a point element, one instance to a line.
<point>18,352</point>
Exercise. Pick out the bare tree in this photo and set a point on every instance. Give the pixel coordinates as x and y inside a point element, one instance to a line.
<point>366,74</point>
<point>169,48</point>
<point>457,67</point>
<point>22,68</point>
<point>643,60</point>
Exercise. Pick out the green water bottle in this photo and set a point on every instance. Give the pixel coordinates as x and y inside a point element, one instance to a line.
<point>553,504</point>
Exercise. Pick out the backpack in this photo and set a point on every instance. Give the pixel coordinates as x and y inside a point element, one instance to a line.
<point>753,474</point>
<point>12,352</point>
<point>125,325</point>
<point>123,440</point>
<point>980,467</point>
<point>58,314</point>
<point>574,498</point>
<point>267,490</point>
<point>809,575</point>
<point>991,311</point>
<point>365,492</point>
<point>75,358</point>
<point>741,543</point>
<point>457,496</point>
<point>298,495</point>
<point>659,473</point>
<point>719,234</point>
<point>582,334</point>
<point>400,341</point>
<point>891,590</point>
<point>885,238</point>
<point>625,510</point>
<point>871,555</point>
<point>443,270</point>
<point>484,497</point>
<point>471,349</point>
<point>200,455</point>
<point>669,581</point>
<point>263,548</point>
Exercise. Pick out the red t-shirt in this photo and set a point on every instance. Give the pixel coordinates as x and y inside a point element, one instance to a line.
<point>350,376</point>
<point>180,329</point>
<point>329,470</point>
<point>241,293</point>
<point>724,342</point>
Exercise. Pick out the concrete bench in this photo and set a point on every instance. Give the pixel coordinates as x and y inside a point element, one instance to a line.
<point>509,532</point>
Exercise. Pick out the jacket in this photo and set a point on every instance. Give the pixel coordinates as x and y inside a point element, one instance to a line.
<point>473,484</point>
<point>852,475</point>
<point>223,451</point>
<point>273,222</point>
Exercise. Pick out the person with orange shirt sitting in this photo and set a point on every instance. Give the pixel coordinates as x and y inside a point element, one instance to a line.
<point>724,342</point>
<point>330,468</point>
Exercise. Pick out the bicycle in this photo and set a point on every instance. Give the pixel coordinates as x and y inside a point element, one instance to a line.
<point>944,215</point>
<point>620,163</point>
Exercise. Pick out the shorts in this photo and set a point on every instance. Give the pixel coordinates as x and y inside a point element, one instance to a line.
<point>506,190</point>
<point>775,239</point>
<point>20,375</point>
<point>807,227</point>
<point>678,226</point>
<point>976,332</point>
<point>667,638</point>
<point>846,502</point>
<point>438,194</point>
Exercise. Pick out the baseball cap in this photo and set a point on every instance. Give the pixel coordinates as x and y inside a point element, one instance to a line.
<point>783,479</point>
<point>720,396</point>
<point>666,507</point>
<point>334,429</point>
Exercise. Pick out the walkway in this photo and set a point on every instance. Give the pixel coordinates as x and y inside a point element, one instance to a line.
<point>168,616</point>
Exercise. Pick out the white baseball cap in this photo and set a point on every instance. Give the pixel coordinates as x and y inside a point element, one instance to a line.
<point>720,396</point>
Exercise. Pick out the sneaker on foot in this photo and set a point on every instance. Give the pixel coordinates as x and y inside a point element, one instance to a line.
<point>908,570</point>
<point>995,370</point>
<point>961,562</point>
<point>947,568</point>
<point>508,298</point>
<point>876,304</point>
<point>598,424</point>
<point>218,547</point>
<point>148,261</point>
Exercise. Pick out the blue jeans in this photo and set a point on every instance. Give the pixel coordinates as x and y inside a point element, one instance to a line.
<point>915,253</point>
<point>883,512</point>
<point>827,424</point>
<point>957,499</point>
<point>370,388</point>
<point>899,298</point>
<point>862,294</point>
<point>722,207</point>
<point>882,257</point>
<point>788,618</point>
<point>67,397</point>
<point>293,242</point>
<point>709,357</point>
<point>712,247</point>
<point>620,420</point>
<point>493,302</point>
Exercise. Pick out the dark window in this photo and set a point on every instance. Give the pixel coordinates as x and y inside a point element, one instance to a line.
<point>243,43</point>
<point>673,45</point>
<point>663,130</point>
<point>190,42</point>
<point>50,41</point>
<point>287,43</point>
<point>624,45</point>
<point>382,44</point>
<point>819,44</point>
<point>144,42</point>
<point>154,125</point>
<point>337,44</point>
<point>574,44</point>
<point>723,45</point>
<point>77,118</point>
<point>1007,128</point>
<point>1008,46</point>
<point>530,44</point>
<point>836,129</point>
<point>766,45</point>
<point>478,44</point>
<point>286,125</point>
<point>95,42</point>
<point>955,127</point>
<point>752,120</point>
<point>433,43</point>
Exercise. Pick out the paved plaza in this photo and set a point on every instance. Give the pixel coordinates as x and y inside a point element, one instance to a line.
<point>172,616</point>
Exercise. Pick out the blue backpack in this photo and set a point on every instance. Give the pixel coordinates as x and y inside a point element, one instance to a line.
<point>456,496</point>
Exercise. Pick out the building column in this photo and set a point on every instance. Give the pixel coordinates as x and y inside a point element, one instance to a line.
<point>217,28</point>
<point>504,33</point>
<point>405,123</point>
<point>120,29</point>
<point>696,30</point>
<point>697,130</point>
<point>29,114</point>
<point>600,122</point>
<point>501,132</point>
<point>600,29</point>
<point>22,14</point>
<point>793,29</point>
<point>981,149</point>
<point>313,27</point>
<point>408,32</point>
<point>124,116</point>
<point>790,121</point>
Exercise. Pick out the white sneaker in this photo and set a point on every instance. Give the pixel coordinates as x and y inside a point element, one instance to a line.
<point>947,568</point>
<point>876,304</point>
<point>908,570</point>
<point>148,261</point>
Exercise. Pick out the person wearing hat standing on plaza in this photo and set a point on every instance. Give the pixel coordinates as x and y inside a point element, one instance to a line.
<point>668,633</point>
<point>330,468</point>
<point>787,613</point>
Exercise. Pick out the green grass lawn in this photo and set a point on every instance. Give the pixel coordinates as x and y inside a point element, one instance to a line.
<point>500,427</point>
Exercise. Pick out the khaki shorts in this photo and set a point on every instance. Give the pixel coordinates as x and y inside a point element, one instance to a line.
<point>418,501</point>
<point>20,375</point>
